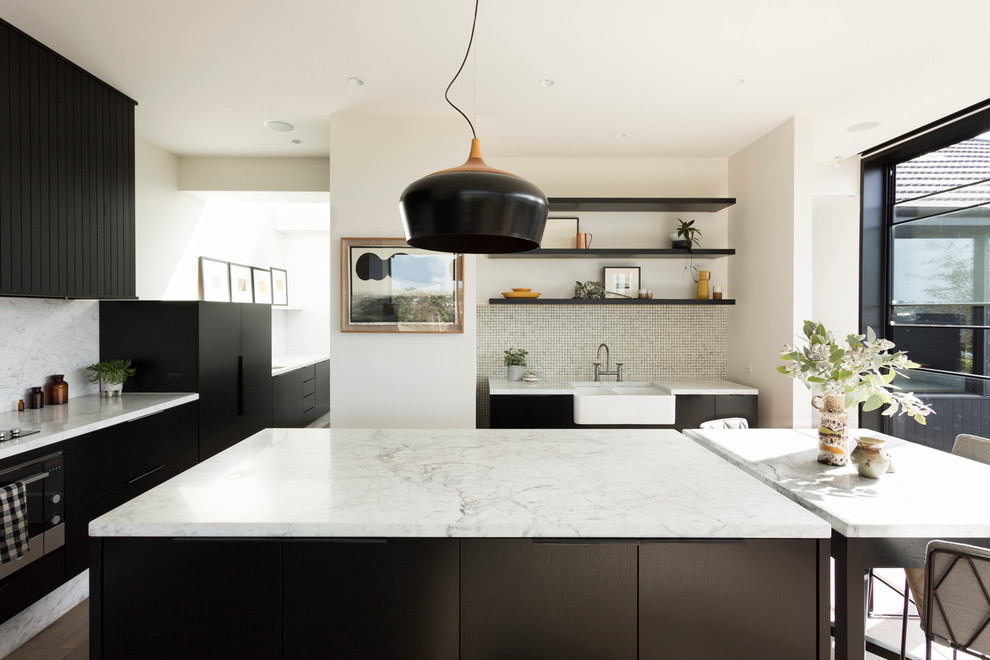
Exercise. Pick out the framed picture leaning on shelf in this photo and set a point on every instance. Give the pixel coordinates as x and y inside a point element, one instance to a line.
<point>214,280</point>
<point>280,287</point>
<point>241,284</point>
<point>262,285</point>
<point>388,286</point>
<point>621,281</point>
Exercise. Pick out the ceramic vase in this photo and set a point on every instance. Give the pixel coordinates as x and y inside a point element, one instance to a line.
<point>870,459</point>
<point>514,371</point>
<point>833,429</point>
<point>111,389</point>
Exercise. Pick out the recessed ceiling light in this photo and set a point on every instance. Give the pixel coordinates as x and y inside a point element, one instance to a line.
<point>863,126</point>
<point>354,80</point>
<point>619,135</point>
<point>276,125</point>
<point>736,82</point>
<point>296,141</point>
<point>547,82</point>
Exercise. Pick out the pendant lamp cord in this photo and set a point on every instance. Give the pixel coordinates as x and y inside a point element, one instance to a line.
<point>445,94</point>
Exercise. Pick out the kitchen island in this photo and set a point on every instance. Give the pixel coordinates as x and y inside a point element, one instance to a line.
<point>461,543</point>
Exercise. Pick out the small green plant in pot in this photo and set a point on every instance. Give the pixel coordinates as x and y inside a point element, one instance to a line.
<point>111,374</point>
<point>685,236</point>
<point>515,360</point>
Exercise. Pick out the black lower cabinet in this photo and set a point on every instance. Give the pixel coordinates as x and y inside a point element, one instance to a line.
<point>176,598</point>
<point>529,600</point>
<point>107,467</point>
<point>32,583</point>
<point>370,599</point>
<point>556,411</point>
<point>744,599</point>
<point>693,409</point>
<point>301,396</point>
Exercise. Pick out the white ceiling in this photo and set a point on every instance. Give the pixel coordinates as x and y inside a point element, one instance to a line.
<point>207,73</point>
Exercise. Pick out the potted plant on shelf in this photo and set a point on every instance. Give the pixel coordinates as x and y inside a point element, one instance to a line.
<point>111,374</point>
<point>861,371</point>
<point>685,236</point>
<point>515,360</point>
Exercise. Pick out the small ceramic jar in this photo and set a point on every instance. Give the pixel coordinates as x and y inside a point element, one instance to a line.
<point>869,457</point>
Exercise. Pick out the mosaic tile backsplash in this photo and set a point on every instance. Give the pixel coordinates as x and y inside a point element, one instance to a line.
<point>652,341</point>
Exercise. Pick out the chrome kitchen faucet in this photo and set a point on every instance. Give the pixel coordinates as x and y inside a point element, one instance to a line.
<point>598,365</point>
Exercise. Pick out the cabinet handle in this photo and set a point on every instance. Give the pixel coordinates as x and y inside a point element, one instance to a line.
<point>240,384</point>
<point>145,474</point>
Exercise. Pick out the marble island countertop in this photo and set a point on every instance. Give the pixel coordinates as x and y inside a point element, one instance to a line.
<point>682,386</point>
<point>82,415</point>
<point>283,364</point>
<point>463,483</point>
<point>931,493</point>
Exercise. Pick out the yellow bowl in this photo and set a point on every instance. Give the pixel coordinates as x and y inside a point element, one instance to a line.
<point>521,294</point>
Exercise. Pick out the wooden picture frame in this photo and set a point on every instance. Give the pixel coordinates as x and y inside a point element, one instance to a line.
<point>621,281</point>
<point>261,279</point>
<point>214,280</point>
<point>388,286</point>
<point>280,287</point>
<point>241,284</point>
<point>560,234</point>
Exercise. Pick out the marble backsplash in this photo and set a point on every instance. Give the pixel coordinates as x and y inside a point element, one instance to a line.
<point>44,337</point>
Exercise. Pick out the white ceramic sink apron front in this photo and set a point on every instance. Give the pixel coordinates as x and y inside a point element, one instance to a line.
<point>622,403</point>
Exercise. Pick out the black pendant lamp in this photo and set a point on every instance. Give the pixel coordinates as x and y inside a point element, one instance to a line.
<point>473,208</point>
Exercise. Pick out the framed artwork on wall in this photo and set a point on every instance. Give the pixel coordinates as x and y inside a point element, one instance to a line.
<point>214,280</point>
<point>560,233</point>
<point>388,286</point>
<point>280,287</point>
<point>621,281</point>
<point>262,278</point>
<point>241,284</point>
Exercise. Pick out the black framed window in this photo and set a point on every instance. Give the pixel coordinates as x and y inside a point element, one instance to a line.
<point>925,272</point>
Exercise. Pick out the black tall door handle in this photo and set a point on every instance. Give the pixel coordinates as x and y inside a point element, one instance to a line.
<point>240,384</point>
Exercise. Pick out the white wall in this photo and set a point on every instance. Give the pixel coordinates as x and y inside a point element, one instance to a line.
<point>385,379</point>
<point>254,174</point>
<point>164,219</point>
<point>771,228</point>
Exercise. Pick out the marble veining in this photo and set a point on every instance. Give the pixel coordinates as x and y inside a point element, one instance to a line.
<point>82,415</point>
<point>17,630</point>
<point>44,337</point>
<point>463,483</point>
<point>931,494</point>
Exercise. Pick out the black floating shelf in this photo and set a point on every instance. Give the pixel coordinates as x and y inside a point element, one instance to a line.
<point>608,301</point>
<point>697,204</point>
<point>616,253</point>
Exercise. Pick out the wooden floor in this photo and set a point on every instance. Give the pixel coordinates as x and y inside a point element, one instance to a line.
<point>67,638</point>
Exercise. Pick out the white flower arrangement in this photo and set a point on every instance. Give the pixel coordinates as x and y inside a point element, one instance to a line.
<point>863,370</point>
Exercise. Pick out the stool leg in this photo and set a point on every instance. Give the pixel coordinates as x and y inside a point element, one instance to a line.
<point>904,621</point>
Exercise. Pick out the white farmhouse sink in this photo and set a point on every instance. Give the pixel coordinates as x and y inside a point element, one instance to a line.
<point>622,403</point>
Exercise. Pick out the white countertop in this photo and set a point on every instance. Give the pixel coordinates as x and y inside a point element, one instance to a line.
<point>932,494</point>
<point>82,415</point>
<point>675,386</point>
<point>283,364</point>
<point>463,483</point>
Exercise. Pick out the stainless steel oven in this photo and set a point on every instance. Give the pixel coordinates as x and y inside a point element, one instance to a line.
<point>43,479</point>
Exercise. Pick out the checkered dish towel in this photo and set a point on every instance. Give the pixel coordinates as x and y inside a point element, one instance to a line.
<point>13,522</point>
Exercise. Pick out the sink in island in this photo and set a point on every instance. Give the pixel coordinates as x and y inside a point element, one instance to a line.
<point>461,543</point>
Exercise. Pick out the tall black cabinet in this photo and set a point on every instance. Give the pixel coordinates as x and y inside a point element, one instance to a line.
<point>221,350</point>
<point>66,177</point>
